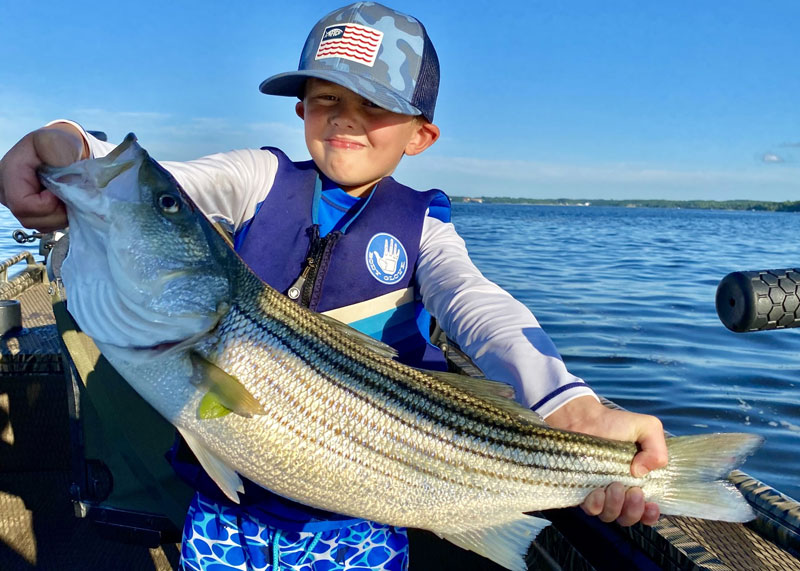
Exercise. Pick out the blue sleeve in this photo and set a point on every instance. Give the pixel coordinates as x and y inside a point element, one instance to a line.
<point>439,207</point>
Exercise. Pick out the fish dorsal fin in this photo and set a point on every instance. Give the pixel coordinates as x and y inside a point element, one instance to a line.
<point>379,347</point>
<point>496,392</point>
<point>505,544</point>
<point>224,391</point>
<point>223,475</point>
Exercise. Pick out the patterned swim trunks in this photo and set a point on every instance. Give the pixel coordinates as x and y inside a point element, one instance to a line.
<point>220,538</point>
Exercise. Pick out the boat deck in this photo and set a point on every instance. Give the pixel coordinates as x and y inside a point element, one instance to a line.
<point>38,528</point>
<point>735,545</point>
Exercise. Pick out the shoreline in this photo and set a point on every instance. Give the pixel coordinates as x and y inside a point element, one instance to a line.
<point>752,205</point>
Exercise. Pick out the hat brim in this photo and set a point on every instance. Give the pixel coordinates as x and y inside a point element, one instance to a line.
<point>290,84</point>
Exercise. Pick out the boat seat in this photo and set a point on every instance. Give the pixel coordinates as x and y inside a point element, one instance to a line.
<point>122,479</point>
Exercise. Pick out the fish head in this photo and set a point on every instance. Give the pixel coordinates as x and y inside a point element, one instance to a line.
<point>145,268</point>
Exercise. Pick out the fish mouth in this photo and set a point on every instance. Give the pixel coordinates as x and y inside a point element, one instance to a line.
<point>169,347</point>
<point>74,183</point>
<point>160,348</point>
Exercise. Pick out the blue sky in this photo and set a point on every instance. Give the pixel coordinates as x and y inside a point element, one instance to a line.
<point>582,99</point>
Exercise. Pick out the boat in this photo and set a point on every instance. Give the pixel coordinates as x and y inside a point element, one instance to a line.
<point>84,484</point>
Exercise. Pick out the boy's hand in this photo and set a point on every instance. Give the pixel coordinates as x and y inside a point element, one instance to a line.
<point>615,502</point>
<point>20,190</point>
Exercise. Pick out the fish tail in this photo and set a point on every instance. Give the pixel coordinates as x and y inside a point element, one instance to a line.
<point>505,544</point>
<point>699,466</point>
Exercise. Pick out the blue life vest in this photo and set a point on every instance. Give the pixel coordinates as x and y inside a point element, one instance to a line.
<point>364,276</point>
<point>351,284</point>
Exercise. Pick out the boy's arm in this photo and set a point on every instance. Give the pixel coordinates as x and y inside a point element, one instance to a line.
<point>498,332</point>
<point>20,189</point>
<point>227,187</point>
<point>506,341</point>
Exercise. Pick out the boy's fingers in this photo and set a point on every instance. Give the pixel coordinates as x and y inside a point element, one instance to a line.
<point>651,514</point>
<point>626,506</point>
<point>633,507</point>
<point>653,451</point>
<point>614,501</point>
<point>56,147</point>
<point>647,460</point>
<point>37,209</point>
<point>593,503</point>
<point>20,188</point>
<point>54,219</point>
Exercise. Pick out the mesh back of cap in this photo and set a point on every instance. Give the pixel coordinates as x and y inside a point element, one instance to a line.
<point>427,87</point>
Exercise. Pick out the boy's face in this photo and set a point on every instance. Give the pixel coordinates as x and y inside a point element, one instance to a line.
<point>354,142</point>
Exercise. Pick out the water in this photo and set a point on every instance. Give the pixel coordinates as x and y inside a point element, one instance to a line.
<point>8,247</point>
<point>628,297</point>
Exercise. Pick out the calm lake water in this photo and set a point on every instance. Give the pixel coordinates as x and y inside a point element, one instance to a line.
<point>627,294</point>
<point>628,297</point>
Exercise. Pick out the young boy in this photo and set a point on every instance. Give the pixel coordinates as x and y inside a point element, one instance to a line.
<point>339,235</point>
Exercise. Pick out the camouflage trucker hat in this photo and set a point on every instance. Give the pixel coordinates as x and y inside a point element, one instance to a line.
<point>381,54</point>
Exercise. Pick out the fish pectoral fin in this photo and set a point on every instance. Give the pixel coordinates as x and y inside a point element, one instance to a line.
<point>224,476</point>
<point>379,347</point>
<point>224,390</point>
<point>498,393</point>
<point>211,407</point>
<point>505,544</point>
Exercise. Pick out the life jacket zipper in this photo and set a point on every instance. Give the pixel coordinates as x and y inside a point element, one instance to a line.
<point>302,290</point>
<point>296,288</point>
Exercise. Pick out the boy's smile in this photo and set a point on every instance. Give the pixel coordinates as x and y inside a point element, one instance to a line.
<point>343,143</point>
<point>354,142</point>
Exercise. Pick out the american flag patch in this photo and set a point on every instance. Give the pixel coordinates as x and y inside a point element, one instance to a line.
<point>350,41</point>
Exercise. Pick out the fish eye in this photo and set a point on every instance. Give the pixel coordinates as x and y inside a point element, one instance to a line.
<point>168,203</point>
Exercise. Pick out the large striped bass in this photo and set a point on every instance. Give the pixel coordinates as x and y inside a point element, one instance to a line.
<point>317,412</point>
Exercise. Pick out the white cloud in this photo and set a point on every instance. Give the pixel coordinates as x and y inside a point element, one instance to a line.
<point>771,158</point>
<point>532,171</point>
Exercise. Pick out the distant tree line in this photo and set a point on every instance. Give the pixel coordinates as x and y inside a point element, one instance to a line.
<point>788,206</point>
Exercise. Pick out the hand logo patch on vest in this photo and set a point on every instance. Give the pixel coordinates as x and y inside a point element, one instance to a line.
<point>386,258</point>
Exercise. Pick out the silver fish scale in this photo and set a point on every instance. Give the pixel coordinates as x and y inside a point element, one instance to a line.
<point>372,444</point>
